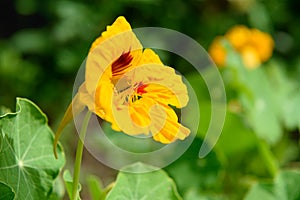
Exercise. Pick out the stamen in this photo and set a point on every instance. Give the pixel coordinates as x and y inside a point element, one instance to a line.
<point>135,97</point>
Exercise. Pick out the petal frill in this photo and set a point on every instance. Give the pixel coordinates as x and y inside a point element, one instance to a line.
<point>165,127</point>
<point>161,79</point>
<point>149,56</point>
<point>120,25</point>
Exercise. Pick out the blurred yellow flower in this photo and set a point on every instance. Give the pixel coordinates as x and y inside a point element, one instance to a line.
<point>253,45</point>
<point>238,36</point>
<point>218,52</point>
<point>129,87</point>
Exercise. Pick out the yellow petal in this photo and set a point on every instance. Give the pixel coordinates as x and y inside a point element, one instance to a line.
<point>139,111</point>
<point>118,39</point>
<point>120,25</point>
<point>146,115</point>
<point>163,95</point>
<point>149,57</point>
<point>140,59</point>
<point>103,99</point>
<point>129,124</point>
<point>165,128</point>
<point>162,79</point>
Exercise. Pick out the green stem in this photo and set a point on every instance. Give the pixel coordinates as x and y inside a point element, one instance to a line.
<point>109,187</point>
<point>79,151</point>
<point>268,158</point>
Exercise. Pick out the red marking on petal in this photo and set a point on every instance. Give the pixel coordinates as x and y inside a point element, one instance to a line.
<point>141,89</point>
<point>121,63</point>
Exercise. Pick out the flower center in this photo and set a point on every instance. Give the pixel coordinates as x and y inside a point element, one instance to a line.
<point>128,92</point>
<point>125,90</point>
<point>139,90</point>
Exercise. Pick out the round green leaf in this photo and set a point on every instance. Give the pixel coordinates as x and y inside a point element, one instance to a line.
<point>6,193</point>
<point>155,185</point>
<point>27,163</point>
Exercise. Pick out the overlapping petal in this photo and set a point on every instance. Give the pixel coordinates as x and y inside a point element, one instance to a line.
<point>130,87</point>
<point>165,127</point>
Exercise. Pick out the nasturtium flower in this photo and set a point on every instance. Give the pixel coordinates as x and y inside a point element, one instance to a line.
<point>130,87</point>
<point>253,45</point>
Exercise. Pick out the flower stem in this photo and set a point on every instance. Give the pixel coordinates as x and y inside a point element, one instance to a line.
<point>268,158</point>
<point>79,151</point>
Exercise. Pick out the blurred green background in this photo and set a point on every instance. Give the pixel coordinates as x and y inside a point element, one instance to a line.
<point>43,43</point>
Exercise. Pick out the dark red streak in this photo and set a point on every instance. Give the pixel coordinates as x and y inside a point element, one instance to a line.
<point>141,89</point>
<point>121,63</point>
